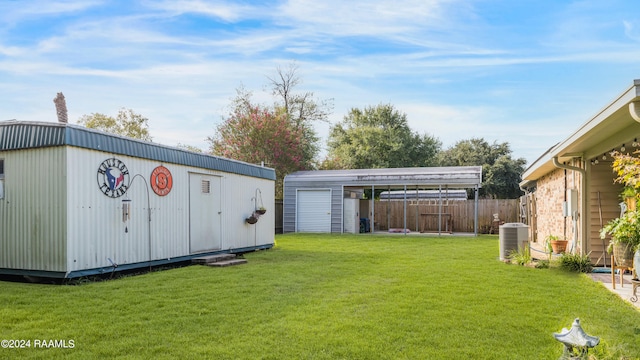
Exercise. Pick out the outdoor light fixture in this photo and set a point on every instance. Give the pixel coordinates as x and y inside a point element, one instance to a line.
<point>622,148</point>
<point>635,142</point>
<point>604,156</point>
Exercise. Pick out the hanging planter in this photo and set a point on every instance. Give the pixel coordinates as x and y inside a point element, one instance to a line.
<point>258,210</point>
<point>258,207</point>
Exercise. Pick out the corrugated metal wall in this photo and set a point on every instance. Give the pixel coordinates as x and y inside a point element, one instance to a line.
<point>290,201</point>
<point>33,211</point>
<point>98,235</point>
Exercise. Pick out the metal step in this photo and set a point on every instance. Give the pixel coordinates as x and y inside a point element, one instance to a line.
<point>228,262</point>
<point>209,259</point>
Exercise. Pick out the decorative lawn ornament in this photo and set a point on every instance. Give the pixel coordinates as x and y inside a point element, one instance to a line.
<point>576,342</point>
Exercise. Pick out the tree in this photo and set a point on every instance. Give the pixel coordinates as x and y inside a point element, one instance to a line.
<point>258,134</point>
<point>501,174</point>
<point>378,137</point>
<point>301,109</point>
<point>126,123</point>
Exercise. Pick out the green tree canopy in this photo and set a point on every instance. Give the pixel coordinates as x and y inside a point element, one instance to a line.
<point>501,174</point>
<point>378,137</point>
<point>126,123</point>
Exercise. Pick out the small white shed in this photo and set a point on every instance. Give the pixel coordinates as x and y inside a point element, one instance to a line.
<point>77,202</point>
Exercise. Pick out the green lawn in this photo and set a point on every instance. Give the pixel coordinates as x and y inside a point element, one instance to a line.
<point>326,297</point>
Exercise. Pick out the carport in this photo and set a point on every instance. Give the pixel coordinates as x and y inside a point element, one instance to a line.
<point>317,201</point>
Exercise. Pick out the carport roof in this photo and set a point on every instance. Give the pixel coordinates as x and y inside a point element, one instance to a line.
<point>425,177</point>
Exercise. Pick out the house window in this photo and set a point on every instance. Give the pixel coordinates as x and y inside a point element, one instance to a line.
<point>206,186</point>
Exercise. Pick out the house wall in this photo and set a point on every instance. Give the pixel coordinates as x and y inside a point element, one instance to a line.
<point>603,204</point>
<point>33,210</point>
<point>551,192</point>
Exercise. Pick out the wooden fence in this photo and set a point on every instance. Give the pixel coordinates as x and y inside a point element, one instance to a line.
<point>457,216</point>
<point>279,215</point>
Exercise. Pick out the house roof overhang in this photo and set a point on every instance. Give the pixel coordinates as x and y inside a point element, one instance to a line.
<point>609,128</point>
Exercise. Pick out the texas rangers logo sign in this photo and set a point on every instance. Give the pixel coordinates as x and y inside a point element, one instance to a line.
<point>113,178</point>
<point>161,181</point>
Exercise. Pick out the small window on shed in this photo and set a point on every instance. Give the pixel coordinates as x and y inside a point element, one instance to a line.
<point>206,186</point>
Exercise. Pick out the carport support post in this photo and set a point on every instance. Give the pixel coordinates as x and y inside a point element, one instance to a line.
<point>404,215</point>
<point>475,216</point>
<point>439,210</point>
<point>389,207</point>
<point>373,209</point>
<point>417,208</point>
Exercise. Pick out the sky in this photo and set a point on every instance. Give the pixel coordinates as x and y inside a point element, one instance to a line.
<point>526,72</point>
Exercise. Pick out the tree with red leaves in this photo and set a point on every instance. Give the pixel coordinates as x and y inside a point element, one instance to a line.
<point>256,134</point>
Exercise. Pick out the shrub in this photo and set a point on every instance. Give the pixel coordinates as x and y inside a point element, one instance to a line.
<point>520,256</point>
<point>576,263</point>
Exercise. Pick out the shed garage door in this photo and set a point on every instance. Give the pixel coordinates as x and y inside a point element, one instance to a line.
<point>314,211</point>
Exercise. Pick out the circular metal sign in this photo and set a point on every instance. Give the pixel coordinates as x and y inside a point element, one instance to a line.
<point>161,181</point>
<point>113,178</point>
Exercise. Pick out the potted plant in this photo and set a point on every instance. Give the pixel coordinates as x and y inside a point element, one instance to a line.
<point>557,246</point>
<point>625,237</point>
<point>624,230</point>
<point>261,210</point>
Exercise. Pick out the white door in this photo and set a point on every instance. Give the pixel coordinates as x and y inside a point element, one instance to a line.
<point>351,216</point>
<point>313,211</point>
<point>205,213</point>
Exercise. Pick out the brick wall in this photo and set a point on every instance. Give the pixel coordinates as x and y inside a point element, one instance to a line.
<point>550,194</point>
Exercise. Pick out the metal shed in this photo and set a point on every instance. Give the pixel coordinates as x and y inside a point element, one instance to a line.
<point>76,202</point>
<point>314,201</point>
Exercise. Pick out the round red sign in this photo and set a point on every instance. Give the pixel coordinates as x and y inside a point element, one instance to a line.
<point>161,181</point>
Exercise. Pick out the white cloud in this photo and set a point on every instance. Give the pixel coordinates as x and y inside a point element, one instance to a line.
<point>224,10</point>
<point>631,31</point>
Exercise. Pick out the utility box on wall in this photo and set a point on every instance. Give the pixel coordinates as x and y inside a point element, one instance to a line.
<point>570,206</point>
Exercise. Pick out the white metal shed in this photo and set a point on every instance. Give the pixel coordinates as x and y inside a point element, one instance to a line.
<point>76,202</point>
<point>314,201</point>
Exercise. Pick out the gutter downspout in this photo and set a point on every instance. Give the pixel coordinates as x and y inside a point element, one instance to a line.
<point>634,110</point>
<point>583,194</point>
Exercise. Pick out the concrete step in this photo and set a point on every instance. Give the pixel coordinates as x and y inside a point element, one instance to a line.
<point>209,259</point>
<point>228,262</point>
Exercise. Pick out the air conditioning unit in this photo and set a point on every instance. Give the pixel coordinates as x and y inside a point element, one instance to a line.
<point>513,237</point>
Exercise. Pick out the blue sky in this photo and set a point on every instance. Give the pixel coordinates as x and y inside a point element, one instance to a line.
<point>527,72</point>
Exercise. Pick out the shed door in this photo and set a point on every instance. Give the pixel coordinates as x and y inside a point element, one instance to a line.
<point>313,211</point>
<point>205,213</point>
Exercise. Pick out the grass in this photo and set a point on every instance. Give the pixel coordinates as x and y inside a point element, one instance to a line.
<point>327,297</point>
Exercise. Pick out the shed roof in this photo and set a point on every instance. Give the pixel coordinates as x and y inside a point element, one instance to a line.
<point>609,128</point>
<point>426,177</point>
<point>16,135</point>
